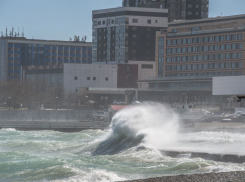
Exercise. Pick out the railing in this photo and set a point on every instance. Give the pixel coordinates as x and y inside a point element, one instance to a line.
<point>205,31</point>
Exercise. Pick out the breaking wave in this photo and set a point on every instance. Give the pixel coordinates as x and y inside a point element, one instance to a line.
<point>155,125</point>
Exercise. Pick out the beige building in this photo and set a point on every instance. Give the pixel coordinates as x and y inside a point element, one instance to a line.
<point>206,47</point>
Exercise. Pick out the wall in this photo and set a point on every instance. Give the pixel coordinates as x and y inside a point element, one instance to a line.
<point>127,76</point>
<point>76,75</point>
<point>230,85</point>
<point>145,73</point>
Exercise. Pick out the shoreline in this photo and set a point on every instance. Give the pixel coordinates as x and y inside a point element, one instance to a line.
<point>238,176</point>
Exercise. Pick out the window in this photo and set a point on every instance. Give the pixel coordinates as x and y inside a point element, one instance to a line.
<point>189,5</point>
<point>200,66</point>
<point>183,49</point>
<point>88,78</point>
<point>168,59</point>
<point>239,37</point>
<point>211,48</point>
<point>189,66</point>
<point>234,55</point>
<point>227,56</point>
<point>194,58</point>
<point>205,57</point>
<point>216,56</point>
<point>189,40</point>
<point>228,37</point>
<point>178,67</point>
<point>205,66</point>
<point>216,47</point>
<point>222,47</point>
<point>194,66</point>
<point>147,66</point>
<point>234,37</point>
<point>184,41</point>
<point>210,65</point>
<point>183,58</point>
<point>156,21</point>
<point>222,38</point>
<point>239,55</point>
<point>183,67</point>
<point>216,38</point>
<point>227,65</point>
<point>222,65</point>
<point>233,46</point>
<point>222,56</point>
<point>239,46</point>
<point>227,46</point>
<point>194,40</point>
<point>94,78</point>
<point>199,48</point>
<point>189,49</point>
<point>205,39</point>
<point>103,22</point>
<point>106,78</point>
<point>211,39</point>
<point>205,48</point>
<point>200,39</point>
<point>199,57</point>
<point>233,65</point>
<point>178,41</point>
<point>135,20</point>
<point>149,21</point>
<point>173,50</point>
<point>168,42</point>
<point>75,78</point>
<point>99,22</point>
<point>216,65</point>
<point>178,50</point>
<point>178,59</point>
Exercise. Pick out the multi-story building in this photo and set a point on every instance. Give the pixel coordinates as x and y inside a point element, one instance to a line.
<point>177,9</point>
<point>125,34</point>
<point>206,47</point>
<point>17,53</point>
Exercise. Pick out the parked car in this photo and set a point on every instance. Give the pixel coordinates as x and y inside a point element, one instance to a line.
<point>135,102</point>
<point>118,102</point>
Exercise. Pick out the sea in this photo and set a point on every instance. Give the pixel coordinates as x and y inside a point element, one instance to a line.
<point>129,149</point>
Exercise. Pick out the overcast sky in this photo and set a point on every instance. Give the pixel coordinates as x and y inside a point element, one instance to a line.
<point>61,19</point>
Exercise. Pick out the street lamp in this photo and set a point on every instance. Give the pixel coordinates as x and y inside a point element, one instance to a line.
<point>9,103</point>
<point>56,102</point>
<point>86,101</point>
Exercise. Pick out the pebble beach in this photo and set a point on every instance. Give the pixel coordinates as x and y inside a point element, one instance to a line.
<point>208,177</point>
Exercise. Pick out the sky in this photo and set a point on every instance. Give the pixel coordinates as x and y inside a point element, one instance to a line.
<point>62,19</point>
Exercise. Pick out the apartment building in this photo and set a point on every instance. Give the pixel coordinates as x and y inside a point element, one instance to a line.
<point>126,34</point>
<point>177,9</point>
<point>207,47</point>
<point>19,53</point>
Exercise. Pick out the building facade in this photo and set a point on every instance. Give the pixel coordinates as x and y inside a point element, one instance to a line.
<point>177,9</point>
<point>208,47</point>
<point>19,53</point>
<point>126,34</point>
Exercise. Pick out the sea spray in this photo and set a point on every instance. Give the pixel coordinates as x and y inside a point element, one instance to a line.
<point>154,125</point>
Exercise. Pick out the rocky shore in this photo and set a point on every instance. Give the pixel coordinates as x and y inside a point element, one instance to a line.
<point>208,177</point>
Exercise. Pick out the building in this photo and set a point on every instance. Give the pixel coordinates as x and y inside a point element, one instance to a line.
<point>19,53</point>
<point>74,76</point>
<point>177,9</point>
<point>202,48</point>
<point>125,34</point>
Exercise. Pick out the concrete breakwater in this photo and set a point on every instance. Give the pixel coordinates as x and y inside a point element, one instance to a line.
<point>207,156</point>
<point>56,126</point>
<point>45,115</point>
<point>59,120</point>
